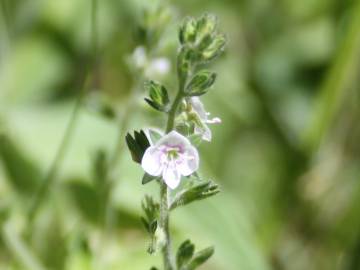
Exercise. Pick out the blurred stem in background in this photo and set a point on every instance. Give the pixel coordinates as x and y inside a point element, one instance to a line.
<point>50,176</point>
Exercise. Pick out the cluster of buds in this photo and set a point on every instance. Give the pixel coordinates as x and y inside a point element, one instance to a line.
<point>171,156</point>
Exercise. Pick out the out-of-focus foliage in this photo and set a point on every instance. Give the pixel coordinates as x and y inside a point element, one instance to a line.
<point>286,157</point>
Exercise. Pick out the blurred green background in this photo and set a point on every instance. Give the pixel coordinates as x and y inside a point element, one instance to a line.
<point>287,154</point>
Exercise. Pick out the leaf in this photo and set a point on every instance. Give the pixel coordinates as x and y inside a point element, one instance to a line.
<point>184,253</point>
<point>148,178</point>
<point>137,145</point>
<point>200,257</point>
<point>195,193</point>
<point>200,83</point>
<point>20,170</point>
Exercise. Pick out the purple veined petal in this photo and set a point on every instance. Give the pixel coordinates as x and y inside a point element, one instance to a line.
<point>174,138</point>
<point>189,161</point>
<point>171,176</point>
<point>151,161</point>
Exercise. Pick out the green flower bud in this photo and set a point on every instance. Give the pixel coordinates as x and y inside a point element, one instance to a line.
<point>187,31</point>
<point>200,83</point>
<point>206,25</point>
<point>215,48</point>
<point>159,98</point>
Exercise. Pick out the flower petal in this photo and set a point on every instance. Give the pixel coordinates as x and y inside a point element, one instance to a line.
<point>215,120</point>
<point>174,138</point>
<point>189,162</point>
<point>151,161</point>
<point>171,176</point>
<point>198,107</point>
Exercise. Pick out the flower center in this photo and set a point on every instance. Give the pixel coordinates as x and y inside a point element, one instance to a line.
<point>172,153</point>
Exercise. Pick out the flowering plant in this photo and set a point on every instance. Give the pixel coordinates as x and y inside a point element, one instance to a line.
<point>171,156</point>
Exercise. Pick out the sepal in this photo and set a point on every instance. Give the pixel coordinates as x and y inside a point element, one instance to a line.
<point>137,145</point>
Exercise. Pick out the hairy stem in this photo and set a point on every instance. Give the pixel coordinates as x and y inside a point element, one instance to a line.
<point>164,224</point>
<point>164,190</point>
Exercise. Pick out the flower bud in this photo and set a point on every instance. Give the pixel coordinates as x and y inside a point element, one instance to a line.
<point>215,48</point>
<point>159,98</point>
<point>200,83</point>
<point>187,31</point>
<point>206,25</point>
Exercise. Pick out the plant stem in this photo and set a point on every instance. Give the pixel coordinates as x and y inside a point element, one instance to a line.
<point>164,224</point>
<point>172,112</point>
<point>164,190</point>
<point>60,154</point>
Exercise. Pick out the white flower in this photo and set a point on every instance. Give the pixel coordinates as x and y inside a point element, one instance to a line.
<point>171,157</point>
<point>158,66</point>
<point>199,109</point>
<point>155,67</point>
<point>139,57</point>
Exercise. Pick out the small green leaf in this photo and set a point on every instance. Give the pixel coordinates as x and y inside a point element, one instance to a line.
<point>200,257</point>
<point>151,210</point>
<point>21,171</point>
<point>200,83</point>
<point>145,223</point>
<point>153,226</point>
<point>195,193</point>
<point>148,178</point>
<point>184,253</point>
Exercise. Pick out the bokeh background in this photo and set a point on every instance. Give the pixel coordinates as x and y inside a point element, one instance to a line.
<point>286,155</point>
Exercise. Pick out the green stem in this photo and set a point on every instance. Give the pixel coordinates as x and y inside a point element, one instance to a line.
<point>50,176</point>
<point>164,190</point>
<point>164,224</point>
<point>172,112</point>
<point>60,154</point>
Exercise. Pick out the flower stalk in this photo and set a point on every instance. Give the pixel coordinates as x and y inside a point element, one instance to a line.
<point>172,155</point>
